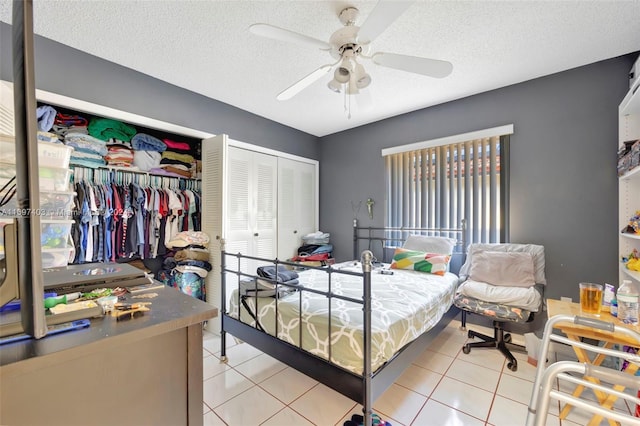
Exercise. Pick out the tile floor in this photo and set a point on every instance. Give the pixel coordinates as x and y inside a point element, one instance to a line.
<point>442,387</point>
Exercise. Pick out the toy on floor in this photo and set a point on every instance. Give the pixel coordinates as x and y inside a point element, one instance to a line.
<point>358,420</point>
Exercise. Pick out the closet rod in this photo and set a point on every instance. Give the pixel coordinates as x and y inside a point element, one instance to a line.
<point>122,175</point>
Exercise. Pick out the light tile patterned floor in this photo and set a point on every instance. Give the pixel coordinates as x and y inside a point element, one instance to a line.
<point>442,387</point>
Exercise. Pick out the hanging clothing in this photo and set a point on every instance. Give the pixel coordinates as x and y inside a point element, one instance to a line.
<point>126,221</point>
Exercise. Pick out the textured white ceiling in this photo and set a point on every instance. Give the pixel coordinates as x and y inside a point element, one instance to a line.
<point>204,46</point>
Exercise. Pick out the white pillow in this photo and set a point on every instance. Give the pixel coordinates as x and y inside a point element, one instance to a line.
<point>439,245</point>
<point>509,269</point>
<point>537,251</point>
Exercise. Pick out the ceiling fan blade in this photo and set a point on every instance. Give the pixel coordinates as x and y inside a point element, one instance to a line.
<point>276,33</point>
<point>414,64</point>
<point>303,83</point>
<point>382,15</point>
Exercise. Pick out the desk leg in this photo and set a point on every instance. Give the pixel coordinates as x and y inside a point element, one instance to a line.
<point>609,401</point>
<point>602,397</point>
<point>194,375</point>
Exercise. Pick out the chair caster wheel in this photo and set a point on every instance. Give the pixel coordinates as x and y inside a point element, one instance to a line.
<point>469,334</point>
<point>512,366</point>
<point>466,349</point>
<point>507,338</point>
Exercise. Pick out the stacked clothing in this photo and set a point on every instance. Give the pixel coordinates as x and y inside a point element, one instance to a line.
<point>189,266</point>
<point>119,156</point>
<point>66,123</point>
<point>87,150</point>
<point>119,153</point>
<point>315,250</point>
<point>145,142</point>
<point>187,239</point>
<point>268,282</point>
<point>147,151</point>
<point>48,137</point>
<point>177,160</point>
<point>45,115</point>
<point>105,129</point>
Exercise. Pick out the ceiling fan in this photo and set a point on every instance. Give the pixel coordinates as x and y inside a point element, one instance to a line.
<point>351,43</point>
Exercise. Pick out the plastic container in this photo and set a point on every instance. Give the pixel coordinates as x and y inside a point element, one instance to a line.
<point>54,179</point>
<point>51,257</point>
<point>57,257</point>
<point>49,154</point>
<point>55,233</point>
<point>53,205</point>
<point>54,154</point>
<point>57,204</point>
<point>51,178</point>
<point>628,303</point>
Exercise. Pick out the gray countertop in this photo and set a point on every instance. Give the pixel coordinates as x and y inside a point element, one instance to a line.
<point>170,311</point>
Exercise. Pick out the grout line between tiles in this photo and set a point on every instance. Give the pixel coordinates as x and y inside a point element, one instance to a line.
<point>275,414</point>
<point>443,373</point>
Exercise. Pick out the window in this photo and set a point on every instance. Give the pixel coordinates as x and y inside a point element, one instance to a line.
<point>440,183</point>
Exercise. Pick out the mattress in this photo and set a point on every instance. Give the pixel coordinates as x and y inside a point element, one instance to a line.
<point>404,305</point>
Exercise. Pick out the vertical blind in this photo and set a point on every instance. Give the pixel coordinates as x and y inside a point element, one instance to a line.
<point>439,186</point>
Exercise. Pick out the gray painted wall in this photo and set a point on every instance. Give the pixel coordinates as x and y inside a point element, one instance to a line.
<point>70,72</point>
<point>563,166</point>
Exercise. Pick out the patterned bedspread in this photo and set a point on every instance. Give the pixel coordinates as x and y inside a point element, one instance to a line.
<point>404,305</point>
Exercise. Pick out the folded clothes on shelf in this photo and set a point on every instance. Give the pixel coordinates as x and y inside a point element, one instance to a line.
<point>86,143</point>
<point>145,142</point>
<point>176,146</point>
<point>45,115</point>
<point>146,160</point>
<point>105,129</point>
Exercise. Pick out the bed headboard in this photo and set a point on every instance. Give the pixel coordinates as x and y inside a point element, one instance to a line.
<point>383,241</point>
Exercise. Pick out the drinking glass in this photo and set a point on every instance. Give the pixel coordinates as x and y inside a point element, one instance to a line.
<point>590,298</point>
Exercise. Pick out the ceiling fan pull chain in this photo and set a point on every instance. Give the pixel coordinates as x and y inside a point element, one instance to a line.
<point>349,100</point>
<point>345,102</point>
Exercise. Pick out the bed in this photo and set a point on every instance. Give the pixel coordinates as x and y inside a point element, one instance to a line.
<point>354,326</point>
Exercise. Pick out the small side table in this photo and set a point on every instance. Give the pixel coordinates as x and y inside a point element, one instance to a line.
<point>576,332</point>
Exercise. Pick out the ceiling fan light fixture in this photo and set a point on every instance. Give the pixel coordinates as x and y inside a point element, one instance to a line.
<point>341,74</point>
<point>364,81</point>
<point>362,78</point>
<point>352,87</point>
<point>334,85</point>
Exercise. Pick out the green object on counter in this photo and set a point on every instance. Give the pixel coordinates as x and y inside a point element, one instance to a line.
<point>96,294</point>
<point>50,302</point>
